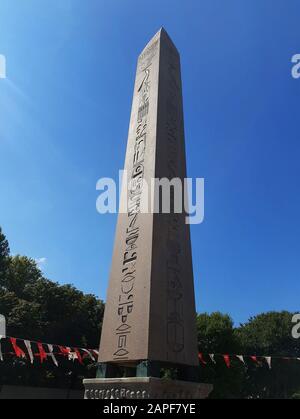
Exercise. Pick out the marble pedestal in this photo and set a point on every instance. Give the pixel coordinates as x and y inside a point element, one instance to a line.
<point>144,388</point>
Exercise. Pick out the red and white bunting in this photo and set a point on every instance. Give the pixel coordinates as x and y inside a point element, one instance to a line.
<point>212,357</point>
<point>89,353</point>
<point>254,358</point>
<point>51,354</point>
<point>269,361</point>
<point>80,354</point>
<point>200,356</point>
<point>96,352</point>
<point>65,350</point>
<point>18,351</point>
<point>29,350</point>
<point>46,350</point>
<point>42,353</point>
<point>241,358</point>
<point>227,360</point>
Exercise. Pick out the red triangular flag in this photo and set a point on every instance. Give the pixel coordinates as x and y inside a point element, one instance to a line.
<point>79,357</point>
<point>65,351</point>
<point>42,353</point>
<point>254,358</point>
<point>18,351</point>
<point>200,356</point>
<point>227,360</point>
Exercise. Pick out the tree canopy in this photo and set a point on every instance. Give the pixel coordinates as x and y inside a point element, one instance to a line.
<point>4,253</point>
<point>39,309</point>
<point>268,334</point>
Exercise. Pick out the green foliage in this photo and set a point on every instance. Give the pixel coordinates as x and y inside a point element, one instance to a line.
<point>270,334</point>
<point>169,373</point>
<point>4,246</point>
<point>4,254</point>
<point>263,335</point>
<point>216,335</point>
<point>21,273</point>
<point>39,309</point>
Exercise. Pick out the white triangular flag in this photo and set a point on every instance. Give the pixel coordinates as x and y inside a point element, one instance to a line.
<point>212,357</point>
<point>89,354</point>
<point>241,358</point>
<point>72,356</point>
<point>268,360</point>
<point>1,356</point>
<point>51,354</point>
<point>29,350</point>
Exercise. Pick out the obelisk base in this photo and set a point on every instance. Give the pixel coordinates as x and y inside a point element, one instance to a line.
<point>144,388</point>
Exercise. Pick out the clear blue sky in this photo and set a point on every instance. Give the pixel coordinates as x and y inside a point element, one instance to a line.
<point>64,114</point>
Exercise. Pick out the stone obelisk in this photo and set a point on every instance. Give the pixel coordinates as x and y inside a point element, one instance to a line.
<point>149,326</point>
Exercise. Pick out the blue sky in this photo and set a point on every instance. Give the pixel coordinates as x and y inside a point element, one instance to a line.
<point>64,114</point>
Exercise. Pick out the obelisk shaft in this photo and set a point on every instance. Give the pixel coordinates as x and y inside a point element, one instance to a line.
<point>150,308</point>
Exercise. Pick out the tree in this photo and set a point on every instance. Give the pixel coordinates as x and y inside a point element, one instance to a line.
<point>216,336</point>
<point>22,272</point>
<point>216,333</point>
<point>4,253</point>
<point>4,246</point>
<point>38,309</point>
<point>270,334</point>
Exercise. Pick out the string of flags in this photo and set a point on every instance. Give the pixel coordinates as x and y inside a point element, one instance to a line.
<point>31,350</point>
<point>258,360</point>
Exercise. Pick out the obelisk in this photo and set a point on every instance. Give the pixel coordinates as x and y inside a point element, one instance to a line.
<point>149,323</point>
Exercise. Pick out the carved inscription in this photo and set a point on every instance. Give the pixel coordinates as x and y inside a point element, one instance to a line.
<point>132,233</point>
<point>118,393</point>
<point>175,315</point>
